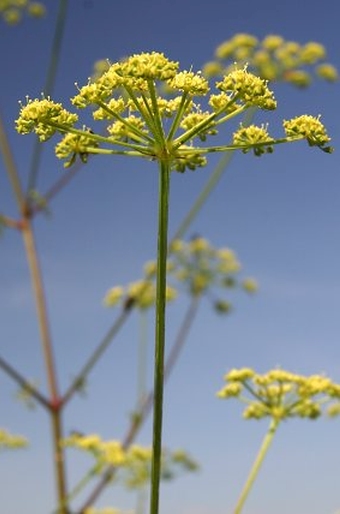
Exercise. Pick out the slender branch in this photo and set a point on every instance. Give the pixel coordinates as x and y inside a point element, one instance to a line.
<point>11,167</point>
<point>6,221</point>
<point>32,258</point>
<point>24,383</point>
<point>103,345</point>
<point>46,343</point>
<point>257,464</point>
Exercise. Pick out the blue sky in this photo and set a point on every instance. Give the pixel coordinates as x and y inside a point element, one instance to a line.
<point>280,213</point>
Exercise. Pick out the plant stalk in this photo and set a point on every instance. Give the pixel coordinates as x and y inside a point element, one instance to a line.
<point>257,464</point>
<point>54,400</point>
<point>163,210</point>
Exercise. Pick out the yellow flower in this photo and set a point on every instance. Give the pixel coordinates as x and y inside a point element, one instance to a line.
<point>280,394</point>
<point>113,106</point>
<point>154,66</point>
<point>310,128</point>
<point>189,82</point>
<point>299,78</point>
<point>272,42</point>
<point>247,87</point>
<point>75,144</point>
<point>105,510</point>
<point>239,375</point>
<point>113,296</point>
<point>230,390</point>
<point>212,68</point>
<point>250,285</point>
<point>113,453</point>
<point>328,72</point>
<point>170,293</point>
<point>312,52</point>
<point>10,441</point>
<point>43,117</point>
<point>89,442</point>
<point>253,135</point>
<point>199,244</point>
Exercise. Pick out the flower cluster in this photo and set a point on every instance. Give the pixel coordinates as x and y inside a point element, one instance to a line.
<point>248,88</point>
<point>10,441</point>
<point>76,144</point>
<point>12,10</point>
<point>201,267</point>
<point>141,293</point>
<point>142,123</point>
<point>105,510</point>
<point>44,117</point>
<point>280,394</point>
<point>133,463</point>
<point>258,137</point>
<point>197,265</point>
<point>273,58</point>
<point>310,128</point>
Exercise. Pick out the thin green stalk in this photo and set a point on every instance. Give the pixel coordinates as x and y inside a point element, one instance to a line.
<point>24,384</point>
<point>257,464</point>
<point>10,166</point>
<point>163,209</point>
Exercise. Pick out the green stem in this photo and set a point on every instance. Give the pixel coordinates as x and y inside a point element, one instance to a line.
<point>257,464</point>
<point>163,208</point>
<point>10,166</point>
<point>24,384</point>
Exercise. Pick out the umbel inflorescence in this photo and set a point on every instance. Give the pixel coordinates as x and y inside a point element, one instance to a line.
<point>140,122</point>
<point>280,394</point>
<point>198,266</point>
<point>273,58</point>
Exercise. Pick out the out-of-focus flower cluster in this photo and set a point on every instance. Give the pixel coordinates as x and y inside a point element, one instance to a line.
<point>202,268</point>
<point>198,266</point>
<point>273,58</point>
<point>104,510</point>
<point>134,463</point>
<point>12,11</point>
<point>280,394</point>
<point>10,441</point>
<point>142,293</point>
